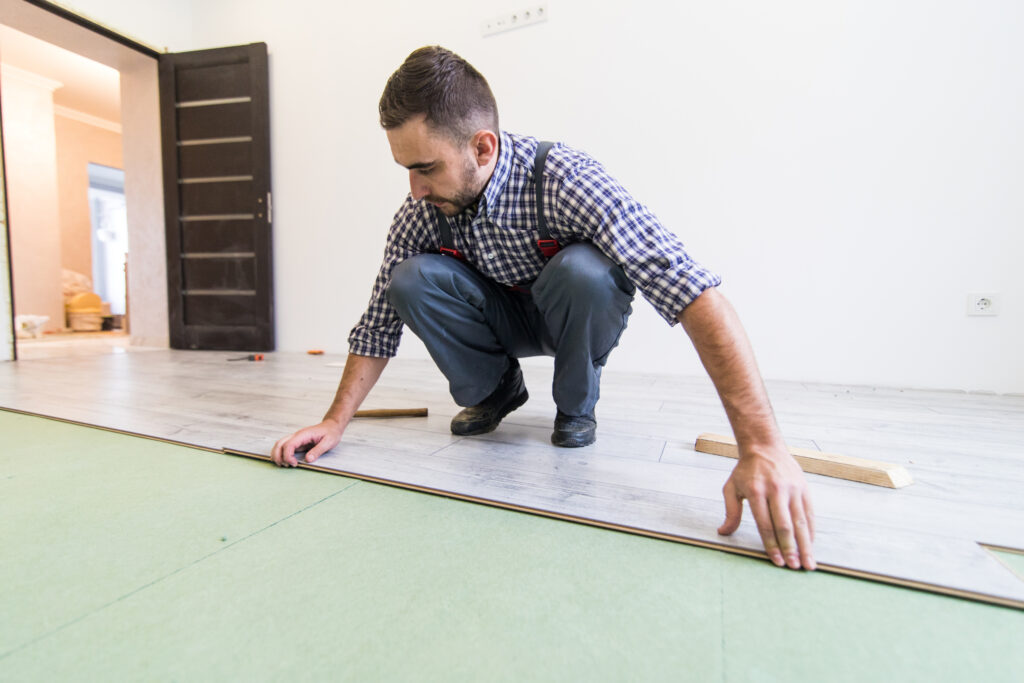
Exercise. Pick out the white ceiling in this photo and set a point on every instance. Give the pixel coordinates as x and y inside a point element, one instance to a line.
<point>89,87</point>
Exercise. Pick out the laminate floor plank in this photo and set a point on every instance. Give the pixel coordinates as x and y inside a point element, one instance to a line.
<point>873,505</point>
<point>952,483</point>
<point>964,450</point>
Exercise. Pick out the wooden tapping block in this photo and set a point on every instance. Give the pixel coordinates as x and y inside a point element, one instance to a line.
<point>815,462</point>
<point>393,412</point>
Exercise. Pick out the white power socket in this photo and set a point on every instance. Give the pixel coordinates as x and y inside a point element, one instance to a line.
<point>983,303</point>
<point>534,14</point>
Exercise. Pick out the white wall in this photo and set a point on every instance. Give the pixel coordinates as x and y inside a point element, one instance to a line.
<point>852,169</point>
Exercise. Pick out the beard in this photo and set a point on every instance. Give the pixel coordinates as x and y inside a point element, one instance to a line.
<point>465,196</point>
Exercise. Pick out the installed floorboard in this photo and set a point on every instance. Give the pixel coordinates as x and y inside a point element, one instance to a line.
<point>964,451</point>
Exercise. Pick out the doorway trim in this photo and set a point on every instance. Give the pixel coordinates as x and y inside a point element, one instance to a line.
<point>65,13</point>
<point>141,143</point>
<point>10,343</point>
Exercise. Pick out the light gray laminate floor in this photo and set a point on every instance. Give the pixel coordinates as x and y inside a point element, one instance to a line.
<point>964,451</point>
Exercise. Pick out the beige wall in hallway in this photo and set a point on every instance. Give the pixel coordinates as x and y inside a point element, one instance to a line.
<point>78,145</point>
<point>30,151</point>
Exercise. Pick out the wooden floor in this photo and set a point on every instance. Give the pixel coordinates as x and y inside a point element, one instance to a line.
<point>965,451</point>
<point>64,344</point>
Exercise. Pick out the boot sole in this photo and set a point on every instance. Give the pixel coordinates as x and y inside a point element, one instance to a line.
<point>491,426</point>
<point>574,441</point>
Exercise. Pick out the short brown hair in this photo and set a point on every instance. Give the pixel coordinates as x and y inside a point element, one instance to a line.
<point>446,88</point>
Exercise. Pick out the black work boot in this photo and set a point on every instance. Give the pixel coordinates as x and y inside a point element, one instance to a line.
<point>573,431</point>
<point>486,415</point>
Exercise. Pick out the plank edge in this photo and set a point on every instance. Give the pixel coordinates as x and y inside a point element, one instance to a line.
<point>987,598</point>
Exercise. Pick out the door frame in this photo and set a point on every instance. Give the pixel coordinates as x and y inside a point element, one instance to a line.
<point>138,65</point>
<point>7,243</point>
<point>67,14</point>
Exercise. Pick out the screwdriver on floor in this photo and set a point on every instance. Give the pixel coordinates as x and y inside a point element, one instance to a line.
<point>251,356</point>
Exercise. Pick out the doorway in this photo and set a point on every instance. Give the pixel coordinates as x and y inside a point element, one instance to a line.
<point>109,228</point>
<point>61,117</point>
<point>136,122</point>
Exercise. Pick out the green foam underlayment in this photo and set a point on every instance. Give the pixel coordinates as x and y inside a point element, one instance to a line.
<point>1013,560</point>
<point>128,559</point>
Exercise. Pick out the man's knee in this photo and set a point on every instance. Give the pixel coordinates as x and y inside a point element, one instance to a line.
<point>581,271</point>
<point>410,277</point>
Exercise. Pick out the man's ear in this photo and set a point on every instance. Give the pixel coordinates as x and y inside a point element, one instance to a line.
<point>485,146</point>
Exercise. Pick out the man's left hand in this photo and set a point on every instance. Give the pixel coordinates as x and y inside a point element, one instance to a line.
<point>773,484</point>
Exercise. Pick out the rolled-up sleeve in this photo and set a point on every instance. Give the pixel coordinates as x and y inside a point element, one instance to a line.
<point>654,259</point>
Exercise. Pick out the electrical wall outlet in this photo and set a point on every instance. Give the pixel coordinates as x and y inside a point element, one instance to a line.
<point>534,14</point>
<point>983,303</point>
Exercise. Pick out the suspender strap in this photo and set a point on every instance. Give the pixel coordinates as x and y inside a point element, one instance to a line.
<point>447,244</point>
<point>549,247</point>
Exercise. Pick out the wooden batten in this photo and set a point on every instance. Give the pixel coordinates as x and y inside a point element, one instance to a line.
<point>815,462</point>
<point>392,412</point>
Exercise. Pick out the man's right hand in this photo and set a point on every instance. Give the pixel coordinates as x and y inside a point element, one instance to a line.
<point>361,373</point>
<point>318,439</point>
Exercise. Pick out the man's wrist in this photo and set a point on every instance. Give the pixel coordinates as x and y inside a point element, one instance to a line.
<point>332,417</point>
<point>772,447</point>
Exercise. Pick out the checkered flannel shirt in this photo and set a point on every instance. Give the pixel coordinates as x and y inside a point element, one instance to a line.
<point>581,203</point>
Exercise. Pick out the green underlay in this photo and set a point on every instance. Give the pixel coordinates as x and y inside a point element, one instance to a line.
<point>1013,560</point>
<point>128,559</point>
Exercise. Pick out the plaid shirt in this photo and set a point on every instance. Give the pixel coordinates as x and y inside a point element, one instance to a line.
<point>581,203</point>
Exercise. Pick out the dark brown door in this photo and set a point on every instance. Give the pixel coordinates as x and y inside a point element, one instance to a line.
<point>215,122</point>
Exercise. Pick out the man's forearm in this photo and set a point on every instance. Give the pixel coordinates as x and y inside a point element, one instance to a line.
<point>767,476</point>
<point>361,373</point>
<point>725,351</point>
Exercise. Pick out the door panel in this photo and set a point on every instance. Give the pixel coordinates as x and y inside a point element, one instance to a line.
<point>215,123</point>
<point>218,198</point>
<point>228,120</point>
<point>218,236</point>
<point>215,80</point>
<point>220,273</point>
<point>206,161</point>
<point>221,310</point>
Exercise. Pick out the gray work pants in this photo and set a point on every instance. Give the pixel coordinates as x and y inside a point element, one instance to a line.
<point>575,310</point>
